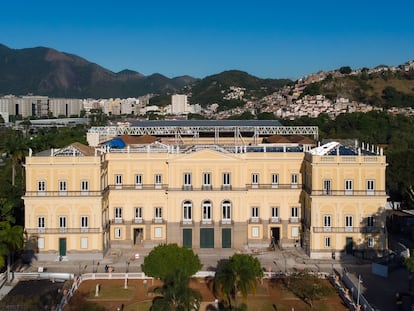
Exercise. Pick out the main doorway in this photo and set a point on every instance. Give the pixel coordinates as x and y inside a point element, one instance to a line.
<point>62,247</point>
<point>275,237</point>
<point>138,236</point>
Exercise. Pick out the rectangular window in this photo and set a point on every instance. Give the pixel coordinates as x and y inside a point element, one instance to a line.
<point>117,233</point>
<point>158,232</point>
<point>370,187</point>
<point>294,180</point>
<point>295,232</point>
<point>255,214</point>
<point>327,186</point>
<point>63,187</point>
<point>274,214</point>
<point>138,181</point>
<point>62,224</point>
<point>158,214</point>
<point>294,214</point>
<point>206,209</point>
<point>84,223</point>
<point>255,232</point>
<point>226,209</point>
<point>41,187</point>
<point>255,180</point>
<point>138,215</point>
<point>370,221</point>
<point>327,241</point>
<point>349,186</point>
<point>84,186</point>
<point>327,223</point>
<point>275,180</point>
<point>41,243</point>
<point>349,223</point>
<point>118,181</point>
<point>206,181</point>
<point>41,224</point>
<point>226,181</point>
<point>84,243</point>
<point>158,181</point>
<point>371,242</point>
<point>187,181</point>
<point>187,211</point>
<point>118,215</point>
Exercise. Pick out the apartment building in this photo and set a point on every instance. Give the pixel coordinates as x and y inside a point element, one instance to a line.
<point>205,184</point>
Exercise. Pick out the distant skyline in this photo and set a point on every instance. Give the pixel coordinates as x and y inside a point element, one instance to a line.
<point>266,38</point>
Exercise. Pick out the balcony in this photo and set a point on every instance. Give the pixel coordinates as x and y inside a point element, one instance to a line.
<point>138,221</point>
<point>188,187</point>
<point>226,221</point>
<point>187,222</point>
<point>348,229</point>
<point>274,220</point>
<point>62,193</point>
<point>59,230</point>
<point>158,220</point>
<point>294,220</point>
<point>330,192</point>
<point>206,222</point>
<point>255,220</point>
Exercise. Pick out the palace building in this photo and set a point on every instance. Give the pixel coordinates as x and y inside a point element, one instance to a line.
<point>205,184</point>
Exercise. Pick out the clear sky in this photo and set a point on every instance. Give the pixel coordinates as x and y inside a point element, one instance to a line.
<point>266,38</point>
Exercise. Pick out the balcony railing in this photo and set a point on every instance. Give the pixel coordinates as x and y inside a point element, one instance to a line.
<point>294,220</point>
<point>59,230</point>
<point>347,229</point>
<point>63,194</point>
<point>274,220</point>
<point>255,220</point>
<point>346,192</point>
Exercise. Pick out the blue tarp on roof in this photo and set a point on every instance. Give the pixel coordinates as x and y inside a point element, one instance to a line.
<point>116,143</point>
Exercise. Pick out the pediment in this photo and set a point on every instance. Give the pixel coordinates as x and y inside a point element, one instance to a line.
<point>207,155</point>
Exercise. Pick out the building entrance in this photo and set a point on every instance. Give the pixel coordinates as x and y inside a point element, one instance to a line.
<point>138,236</point>
<point>275,237</point>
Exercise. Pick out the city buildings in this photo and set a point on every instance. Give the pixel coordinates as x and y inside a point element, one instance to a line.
<point>205,184</point>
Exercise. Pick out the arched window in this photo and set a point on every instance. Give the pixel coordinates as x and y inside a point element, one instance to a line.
<point>226,211</point>
<point>206,211</point>
<point>187,211</point>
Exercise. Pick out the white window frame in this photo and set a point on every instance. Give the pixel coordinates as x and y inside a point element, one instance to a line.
<point>349,186</point>
<point>206,212</point>
<point>118,181</point>
<point>295,232</point>
<point>63,221</point>
<point>274,212</point>
<point>84,223</point>
<point>370,186</point>
<point>327,223</point>
<point>138,181</point>
<point>84,242</point>
<point>117,233</point>
<point>226,176</point>
<point>206,181</point>
<point>294,180</point>
<point>294,214</point>
<point>41,243</point>
<point>255,232</point>
<point>138,215</point>
<point>349,223</point>
<point>158,181</point>
<point>158,214</point>
<point>226,212</point>
<point>84,185</point>
<point>327,186</point>
<point>41,224</point>
<point>254,214</point>
<point>275,180</point>
<point>63,187</point>
<point>118,215</point>
<point>187,212</point>
<point>255,180</point>
<point>41,187</point>
<point>187,181</point>
<point>158,232</point>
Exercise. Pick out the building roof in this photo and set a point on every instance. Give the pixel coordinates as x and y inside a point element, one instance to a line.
<point>202,123</point>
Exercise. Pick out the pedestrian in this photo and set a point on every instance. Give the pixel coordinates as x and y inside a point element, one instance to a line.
<point>106,268</point>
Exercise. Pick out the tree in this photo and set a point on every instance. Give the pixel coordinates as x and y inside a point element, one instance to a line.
<point>11,239</point>
<point>307,286</point>
<point>174,265</point>
<point>238,274</point>
<point>345,70</point>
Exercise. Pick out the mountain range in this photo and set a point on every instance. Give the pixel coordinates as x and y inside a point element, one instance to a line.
<point>46,71</point>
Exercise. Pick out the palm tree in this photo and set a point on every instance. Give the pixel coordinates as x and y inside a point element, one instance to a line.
<point>176,295</point>
<point>239,274</point>
<point>11,239</point>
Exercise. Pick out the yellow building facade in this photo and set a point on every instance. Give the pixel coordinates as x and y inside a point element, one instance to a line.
<point>81,201</point>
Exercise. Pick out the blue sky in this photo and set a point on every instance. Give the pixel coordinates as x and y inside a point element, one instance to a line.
<point>266,38</point>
